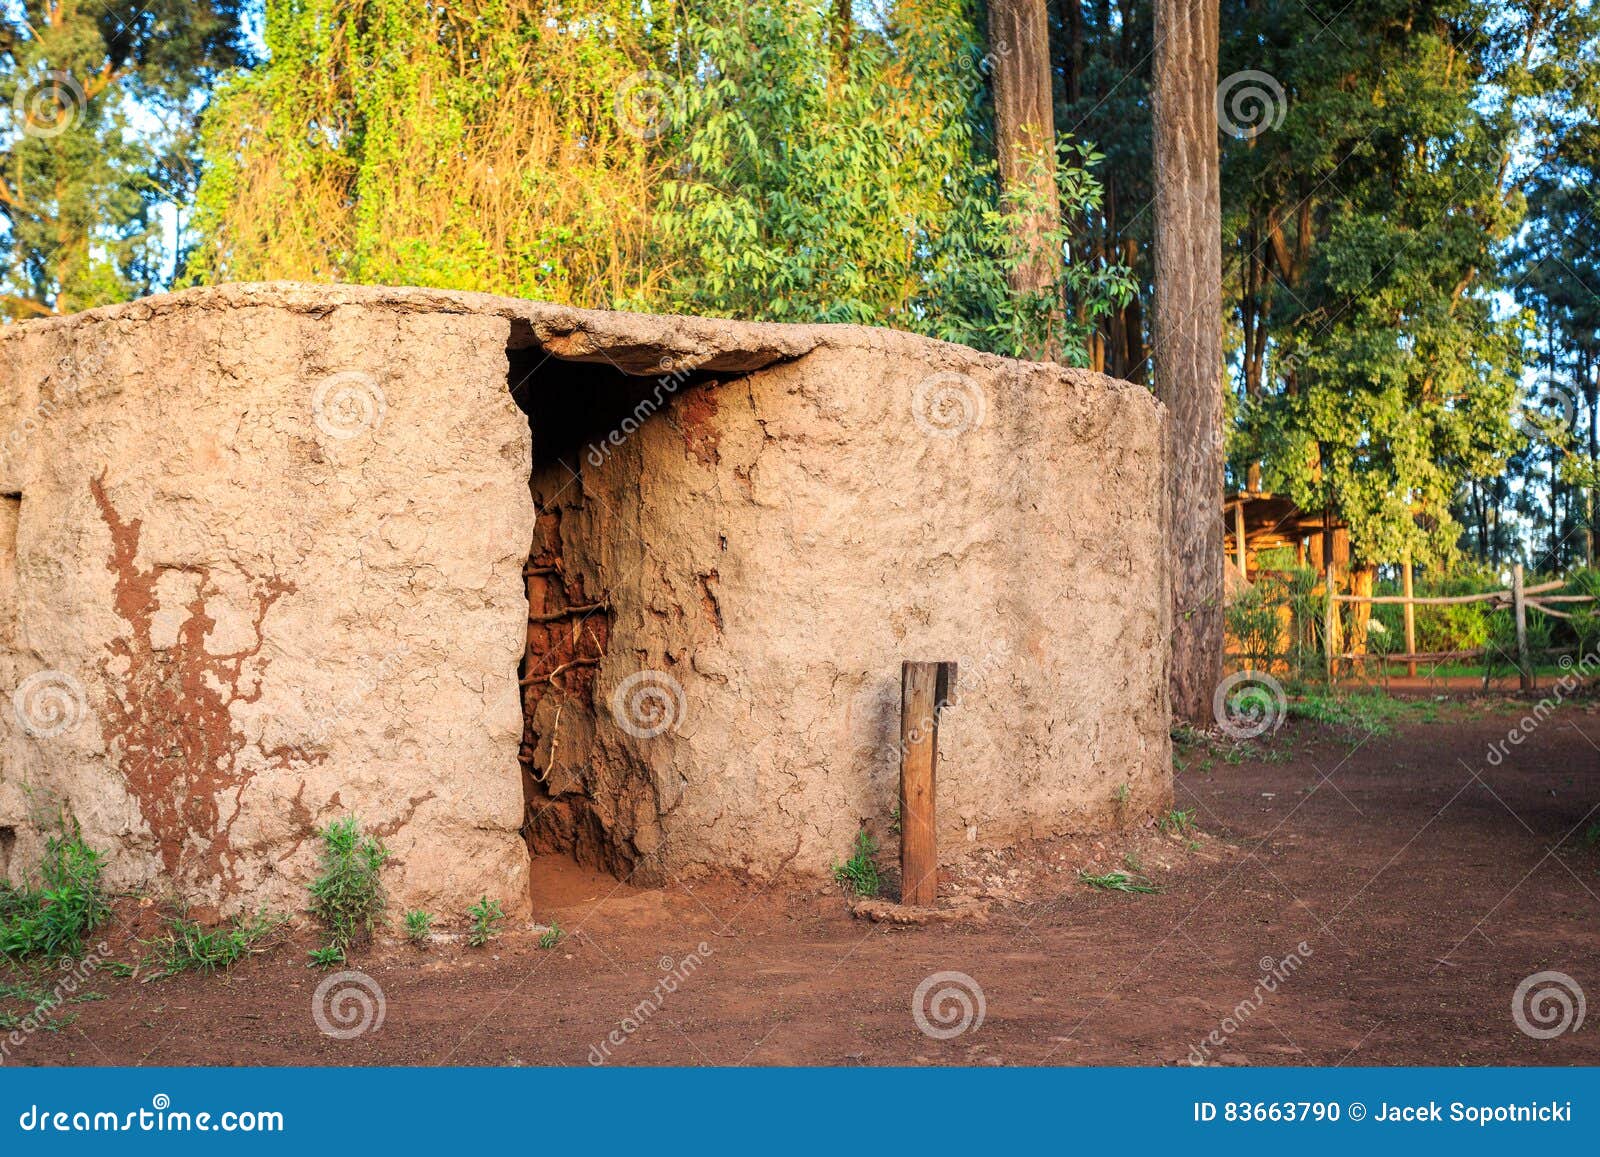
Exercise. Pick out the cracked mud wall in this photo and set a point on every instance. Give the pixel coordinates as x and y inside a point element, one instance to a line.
<point>772,545</point>
<point>274,554</point>
<point>265,571</point>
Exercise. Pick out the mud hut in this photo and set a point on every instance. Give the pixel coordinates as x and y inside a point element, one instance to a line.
<point>502,578</point>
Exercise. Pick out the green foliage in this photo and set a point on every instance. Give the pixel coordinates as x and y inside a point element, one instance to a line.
<point>100,103</point>
<point>551,936</point>
<point>1267,624</point>
<point>719,158</point>
<point>859,874</point>
<point>1382,370</point>
<point>474,145</point>
<point>1178,821</point>
<point>348,897</point>
<point>56,919</point>
<point>419,927</point>
<point>190,947</point>
<point>326,956</point>
<point>807,191</point>
<point>1118,882</point>
<point>1369,713</point>
<point>486,916</point>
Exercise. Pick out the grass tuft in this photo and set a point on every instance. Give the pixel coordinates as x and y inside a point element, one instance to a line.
<point>859,874</point>
<point>191,947</point>
<point>1118,882</point>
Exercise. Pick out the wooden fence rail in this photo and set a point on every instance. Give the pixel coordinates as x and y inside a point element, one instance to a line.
<point>1518,597</point>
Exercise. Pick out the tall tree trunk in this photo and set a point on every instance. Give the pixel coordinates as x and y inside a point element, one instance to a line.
<point>1361,579</point>
<point>1187,336</point>
<point>1591,394</point>
<point>1025,125</point>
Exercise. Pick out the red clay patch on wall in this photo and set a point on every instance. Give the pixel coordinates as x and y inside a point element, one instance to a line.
<point>169,723</point>
<point>697,418</point>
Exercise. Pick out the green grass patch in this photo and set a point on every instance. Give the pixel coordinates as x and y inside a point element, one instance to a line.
<point>189,946</point>
<point>1119,882</point>
<point>859,874</point>
<point>1178,821</point>
<point>1367,712</point>
<point>55,919</point>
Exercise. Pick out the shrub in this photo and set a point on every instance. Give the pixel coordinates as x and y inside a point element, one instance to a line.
<point>348,897</point>
<point>56,919</point>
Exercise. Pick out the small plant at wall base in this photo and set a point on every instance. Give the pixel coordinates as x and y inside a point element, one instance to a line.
<point>325,957</point>
<point>419,927</point>
<point>551,936</point>
<point>348,897</point>
<point>486,916</point>
<point>859,874</point>
<point>56,919</point>
<point>189,946</point>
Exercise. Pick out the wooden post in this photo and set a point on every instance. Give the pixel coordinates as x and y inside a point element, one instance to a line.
<point>1238,538</point>
<point>1330,620</point>
<point>925,689</point>
<point>1519,609</point>
<point>1411,616</point>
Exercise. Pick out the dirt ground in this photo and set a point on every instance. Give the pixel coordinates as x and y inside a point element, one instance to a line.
<point>1414,879</point>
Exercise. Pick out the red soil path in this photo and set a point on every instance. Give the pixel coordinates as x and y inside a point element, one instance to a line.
<point>1425,882</point>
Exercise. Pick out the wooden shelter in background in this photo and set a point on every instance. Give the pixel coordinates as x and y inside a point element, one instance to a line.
<point>1255,522</point>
